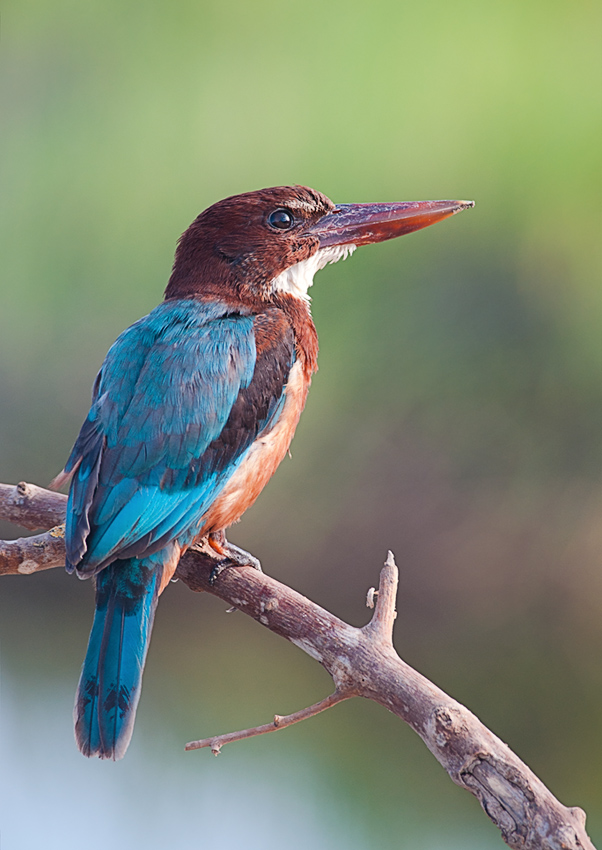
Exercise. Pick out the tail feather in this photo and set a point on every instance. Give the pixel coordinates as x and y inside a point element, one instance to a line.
<point>110,682</point>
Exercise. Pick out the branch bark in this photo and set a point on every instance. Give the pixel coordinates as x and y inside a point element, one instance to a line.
<point>361,661</point>
<point>31,506</point>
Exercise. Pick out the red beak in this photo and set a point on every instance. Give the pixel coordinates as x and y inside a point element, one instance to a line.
<point>362,224</point>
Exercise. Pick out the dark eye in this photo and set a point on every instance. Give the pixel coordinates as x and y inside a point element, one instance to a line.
<point>282,219</point>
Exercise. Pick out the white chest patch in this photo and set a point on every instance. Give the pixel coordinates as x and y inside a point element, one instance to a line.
<point>297,279</point>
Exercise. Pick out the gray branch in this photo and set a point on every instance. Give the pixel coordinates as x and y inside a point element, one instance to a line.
<point>361,661</point>
<point>31,507</point>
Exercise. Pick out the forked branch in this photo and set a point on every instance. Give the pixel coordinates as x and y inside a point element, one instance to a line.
<point>362,662</point>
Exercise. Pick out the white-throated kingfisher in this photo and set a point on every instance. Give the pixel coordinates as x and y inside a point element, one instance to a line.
<point>193,409</point>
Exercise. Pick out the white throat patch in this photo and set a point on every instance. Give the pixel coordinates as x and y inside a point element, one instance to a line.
<point>297,279</point>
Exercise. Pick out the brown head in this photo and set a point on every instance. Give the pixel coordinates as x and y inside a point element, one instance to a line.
<point>256,247</point>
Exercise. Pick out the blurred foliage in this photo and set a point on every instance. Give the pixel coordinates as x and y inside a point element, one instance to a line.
<point>456,417</point>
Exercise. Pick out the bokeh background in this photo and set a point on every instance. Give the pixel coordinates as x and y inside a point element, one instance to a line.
<point>456,418</point>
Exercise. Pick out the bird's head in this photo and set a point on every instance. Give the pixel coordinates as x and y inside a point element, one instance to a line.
<point>261,245</point>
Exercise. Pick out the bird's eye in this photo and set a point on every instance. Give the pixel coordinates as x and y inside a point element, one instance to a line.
<point>282,219</point>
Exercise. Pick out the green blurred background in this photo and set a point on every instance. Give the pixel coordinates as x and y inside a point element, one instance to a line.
<point>456,417</point>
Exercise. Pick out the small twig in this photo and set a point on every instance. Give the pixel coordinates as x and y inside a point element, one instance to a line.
<point>279,722</point>
<point>380,626</point>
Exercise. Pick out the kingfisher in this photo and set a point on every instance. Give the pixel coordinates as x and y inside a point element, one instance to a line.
<point>192,411</point>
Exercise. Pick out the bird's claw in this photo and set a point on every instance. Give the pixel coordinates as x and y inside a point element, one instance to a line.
<point>228,563</point>
<point>234,556</point>
<point>218,570</point>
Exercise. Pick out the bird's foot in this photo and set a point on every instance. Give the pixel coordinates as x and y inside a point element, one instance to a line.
<point>232,556</point>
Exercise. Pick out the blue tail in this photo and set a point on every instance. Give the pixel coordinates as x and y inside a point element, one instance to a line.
<point>109,686</point>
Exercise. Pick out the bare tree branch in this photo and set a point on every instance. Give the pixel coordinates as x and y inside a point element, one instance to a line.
<point>363,662</point>
<point>30,506</point>
<point>32,554</point>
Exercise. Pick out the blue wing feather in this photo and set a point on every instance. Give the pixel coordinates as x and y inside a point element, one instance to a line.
<point>147,454</point>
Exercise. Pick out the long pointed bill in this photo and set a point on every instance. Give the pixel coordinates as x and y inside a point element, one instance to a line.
<point>362,224</point>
